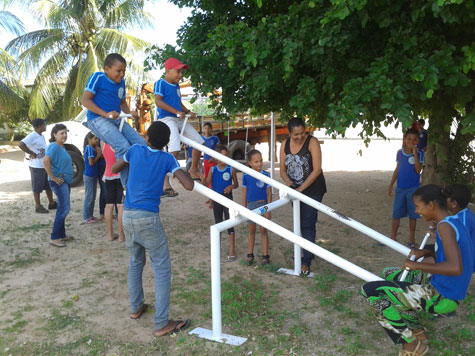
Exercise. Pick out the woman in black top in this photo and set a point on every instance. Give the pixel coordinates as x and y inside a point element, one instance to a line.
<point>301,169</point>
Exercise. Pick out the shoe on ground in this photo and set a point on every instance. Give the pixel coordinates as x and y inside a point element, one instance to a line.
<point>68,238</point>
<point>53,205</point>
<point>57,243</point>
<point>89,221</point>
<point>41,210</point>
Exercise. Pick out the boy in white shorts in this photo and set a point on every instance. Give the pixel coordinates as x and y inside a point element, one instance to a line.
<point>171,111</point>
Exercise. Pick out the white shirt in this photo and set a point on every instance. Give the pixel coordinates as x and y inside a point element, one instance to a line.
<point>36,143</point>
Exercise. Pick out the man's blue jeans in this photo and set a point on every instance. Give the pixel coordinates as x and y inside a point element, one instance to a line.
<point>107,130</point>
<point>90,192</point>
<point>62,192</point>
<point>144,232</point>
<point>308,220</point>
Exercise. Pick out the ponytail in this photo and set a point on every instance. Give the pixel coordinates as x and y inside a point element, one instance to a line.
<point>459,193</point>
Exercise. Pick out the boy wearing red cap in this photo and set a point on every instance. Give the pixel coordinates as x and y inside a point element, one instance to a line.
<point>171,111</point>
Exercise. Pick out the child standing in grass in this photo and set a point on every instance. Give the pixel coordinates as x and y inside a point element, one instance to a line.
<point>397,304</point>
<point>256,194</point>
<point>211,141</point>
<point>92,155</point>
<point>223,180</point>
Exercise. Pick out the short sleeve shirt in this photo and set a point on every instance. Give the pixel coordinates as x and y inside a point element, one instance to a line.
<point>210,142</point>
<point>90,171</point>
<point>422,140</point>
<point>221,179</point>
<point>467,218</point>
<point>407,176</point>
<point>170,94</point>
<point>147,170</point>
<point>256,189</point>
<point>107,94</point>
<point>36,143</point>
<point>61,163</point>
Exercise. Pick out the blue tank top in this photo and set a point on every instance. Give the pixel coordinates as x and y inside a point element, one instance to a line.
<point>467,218</point>
<point>220,179</point>
<point>454,287</point>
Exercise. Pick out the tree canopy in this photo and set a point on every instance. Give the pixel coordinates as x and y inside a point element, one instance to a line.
<point>77,37</point>
<point>339,62</point>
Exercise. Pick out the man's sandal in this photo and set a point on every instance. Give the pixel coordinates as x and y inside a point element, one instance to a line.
<point>417,350</point>
<point>250,259</point>
<point>265,260</point>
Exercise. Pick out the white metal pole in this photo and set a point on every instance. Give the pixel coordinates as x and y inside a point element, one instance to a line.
<point>423,244</point>
<point>272,144</point>
<point>215,281</point>
<point>303,198</point>
<point>288,235</point>
<point>298,232</point>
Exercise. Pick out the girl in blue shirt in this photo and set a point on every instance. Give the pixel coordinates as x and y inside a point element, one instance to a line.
<point>92,155</point>
<point>256,194</point>
<point>223,180</point>
<point>397,304</point>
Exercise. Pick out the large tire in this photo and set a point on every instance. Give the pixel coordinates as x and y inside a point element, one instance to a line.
<point>78,168</point>
<point>238,149</point>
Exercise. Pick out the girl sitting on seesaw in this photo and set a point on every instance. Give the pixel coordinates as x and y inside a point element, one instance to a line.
<point>397,304</point>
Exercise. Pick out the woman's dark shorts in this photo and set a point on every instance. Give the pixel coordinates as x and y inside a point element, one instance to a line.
<point>39,180</point>
<point>114,192</point>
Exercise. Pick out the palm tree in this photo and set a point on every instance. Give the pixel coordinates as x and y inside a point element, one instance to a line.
<point>77,37</point>
<point>11,90</point>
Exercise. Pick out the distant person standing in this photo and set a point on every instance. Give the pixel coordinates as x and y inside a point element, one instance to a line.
<point>35,146</point>
<point>422,144</point>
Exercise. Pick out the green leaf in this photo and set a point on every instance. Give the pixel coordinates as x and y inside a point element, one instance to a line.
<point>429,93</point>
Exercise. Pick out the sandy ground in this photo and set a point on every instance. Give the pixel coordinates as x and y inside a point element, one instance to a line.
<point>93,272</point>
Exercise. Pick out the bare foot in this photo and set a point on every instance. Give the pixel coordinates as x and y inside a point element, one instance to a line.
<point>112,238</point>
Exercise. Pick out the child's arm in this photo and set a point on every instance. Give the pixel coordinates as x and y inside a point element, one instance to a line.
<point>452,266</point>
<point>207,180</point>
<point>185,111</point>
<point>283,168</point>
<point>185,179</point>
<point>417,163</point>
<point>91,106</point>
<point>118,165</point>
<point>124,107</point>
<point>94,160</point>
<point>244,196</point>
<point>235,184</point>
<point>269,200</point>
<point>393,179</point>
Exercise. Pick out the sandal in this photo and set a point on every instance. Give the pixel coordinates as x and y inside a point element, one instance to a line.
<point>250,259</point>
<point>305,272</point>
<point>138,314</point>
<point>416,350</point>
<point>230,259</point>
<point>265,260</point>
<point>169,193</point>
<point>412,245</point>
<point>68,238</point>
<point>57,243</point>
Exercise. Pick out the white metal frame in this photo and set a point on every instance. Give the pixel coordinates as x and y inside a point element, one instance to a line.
<point>239,214</point>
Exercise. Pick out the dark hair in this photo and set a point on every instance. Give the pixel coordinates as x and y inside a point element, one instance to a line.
<point>431,192</point>
<point>38,122</point>
<point>252,153</point>
<point>295,122</point>
<point>55,129</point>
<point>112,58</point>
<point>158,134</point>
<point>411,132</point>
<point>208,124</point>
<point>88,136</point>
<point>459,193</point>
<point>220,148</point>
<point>421,121</point>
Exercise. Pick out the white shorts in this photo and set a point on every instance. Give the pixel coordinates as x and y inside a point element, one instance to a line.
<point>175,124</point>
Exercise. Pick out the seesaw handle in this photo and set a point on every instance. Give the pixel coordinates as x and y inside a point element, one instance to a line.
<point>122,120</point>
<point>423,244</point>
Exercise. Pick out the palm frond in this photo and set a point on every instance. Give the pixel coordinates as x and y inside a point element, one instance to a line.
<point>9,99</point>
<point>11,23</point>
<point>25,42</point>
<point>113,40</point>
<point>125,14</point>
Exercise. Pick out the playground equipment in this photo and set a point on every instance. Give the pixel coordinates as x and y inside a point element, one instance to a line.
<point>239,214</point>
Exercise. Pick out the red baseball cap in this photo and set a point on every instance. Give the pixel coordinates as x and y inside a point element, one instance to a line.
<point>173,63</point>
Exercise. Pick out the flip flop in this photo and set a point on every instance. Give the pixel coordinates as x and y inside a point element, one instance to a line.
<point>169,193</point>
<point>57,243</point>
<point>175,329</point>
<point>230,259</point>
<point>139,313</point>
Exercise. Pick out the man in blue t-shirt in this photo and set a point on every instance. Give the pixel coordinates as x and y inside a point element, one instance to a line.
<point>104,97</point>
<point>171,111</point>
<point>407,173</point>
<point>148,166</point>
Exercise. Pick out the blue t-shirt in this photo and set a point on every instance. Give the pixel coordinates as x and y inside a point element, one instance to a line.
<point>90,171</point>
<point>407,176</point>
<point>422,140</point>
<point>454,287</point>
<point>170,94</point>
<point>147,170</point>
<point>61,162</point>
<point>467,218</point>
<point>210,142</point>
<point>256,189</point>
<point>107,94</point>
<point>220,179</point>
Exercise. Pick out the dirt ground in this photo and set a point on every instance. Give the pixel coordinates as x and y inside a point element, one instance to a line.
<point>85,284</point>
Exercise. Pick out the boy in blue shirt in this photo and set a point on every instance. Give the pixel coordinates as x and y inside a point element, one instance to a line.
<point>104,97</point>
<point>148,166</point>
<point>407,173</point>
<point>171,111</point>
